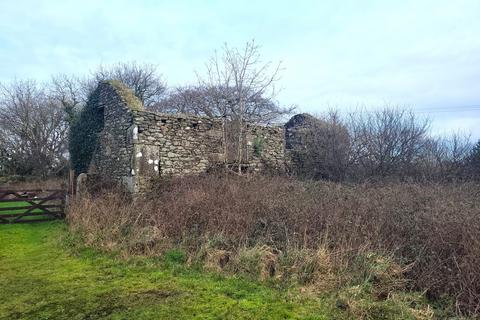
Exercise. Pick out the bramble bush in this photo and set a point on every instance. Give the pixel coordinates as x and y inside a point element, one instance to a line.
<point>384,237</point>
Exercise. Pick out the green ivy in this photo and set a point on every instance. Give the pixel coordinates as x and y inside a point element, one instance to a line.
<point>258,146</point>
<point>84,131</point>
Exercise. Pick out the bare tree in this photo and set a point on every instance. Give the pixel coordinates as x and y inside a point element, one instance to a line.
<point>144,79</point>
<point>382,144</point>
<point>450,156</point>
<point>5,160</point>
<point>240,87</point>
<point>387,142</point>
<point>239,84</point>
<point>69,91</point>
<point>34,128</point>
<point>215,102</point>
<point>72,92</point>
<point>194,100</point>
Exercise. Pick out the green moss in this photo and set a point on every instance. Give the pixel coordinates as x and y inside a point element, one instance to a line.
<point>127,95</point>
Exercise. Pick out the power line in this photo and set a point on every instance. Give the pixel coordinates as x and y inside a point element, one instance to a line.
<point>425,110</point>
<point>453,107</point>
<point>447,109</point>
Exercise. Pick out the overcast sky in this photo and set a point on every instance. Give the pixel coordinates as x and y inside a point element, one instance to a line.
<point>421,54</point>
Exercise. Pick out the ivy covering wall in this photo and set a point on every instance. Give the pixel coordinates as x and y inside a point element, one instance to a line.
<point>84,132</point>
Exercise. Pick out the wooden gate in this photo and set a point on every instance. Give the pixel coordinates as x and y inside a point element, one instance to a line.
<point>31,205</point>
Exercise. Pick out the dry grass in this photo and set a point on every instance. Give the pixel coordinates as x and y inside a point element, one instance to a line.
<point>322,235</point>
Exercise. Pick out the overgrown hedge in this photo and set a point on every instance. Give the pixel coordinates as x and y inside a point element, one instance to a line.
<point>430,231</point>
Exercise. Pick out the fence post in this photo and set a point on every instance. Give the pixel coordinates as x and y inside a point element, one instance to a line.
<point>71,182</point>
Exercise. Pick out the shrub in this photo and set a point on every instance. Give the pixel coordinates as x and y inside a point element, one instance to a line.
<point>385,236</point>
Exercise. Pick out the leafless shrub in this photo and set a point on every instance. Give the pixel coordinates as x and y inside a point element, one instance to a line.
<point>431,231</point>
<point>473,162</point>
<point>385,143</point>
<point>388,144</point>
<point>451,156</point>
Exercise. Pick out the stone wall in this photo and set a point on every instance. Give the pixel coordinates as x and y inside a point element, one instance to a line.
<point>167,145</point>
<point>298,131</point>
<point>136,145</point>
<point>266,148</point>
<point>112,159</point>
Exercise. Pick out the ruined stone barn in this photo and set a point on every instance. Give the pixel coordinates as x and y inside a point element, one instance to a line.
<point>133,145</point>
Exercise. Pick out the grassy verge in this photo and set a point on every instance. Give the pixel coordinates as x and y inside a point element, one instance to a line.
<point>44,279</point>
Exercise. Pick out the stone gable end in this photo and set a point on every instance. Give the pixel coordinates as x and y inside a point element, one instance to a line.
<point>136,145</point>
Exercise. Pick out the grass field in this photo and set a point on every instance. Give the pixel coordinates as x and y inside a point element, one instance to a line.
<point>42,277</point>
<point>13,204</point>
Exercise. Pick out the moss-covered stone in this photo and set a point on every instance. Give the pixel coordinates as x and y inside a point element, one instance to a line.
<point>127,95</point>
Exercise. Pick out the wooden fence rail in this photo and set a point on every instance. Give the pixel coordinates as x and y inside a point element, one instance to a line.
<point>17,206</point>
